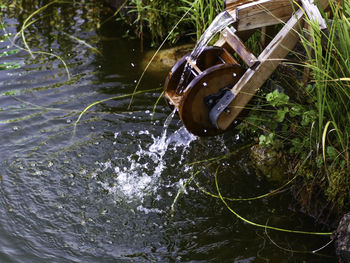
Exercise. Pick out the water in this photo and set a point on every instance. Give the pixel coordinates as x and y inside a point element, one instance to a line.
<point>221,21</point>
<point>104,195</point>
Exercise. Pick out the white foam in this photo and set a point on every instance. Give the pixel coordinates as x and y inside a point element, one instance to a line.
<point>139,175</point>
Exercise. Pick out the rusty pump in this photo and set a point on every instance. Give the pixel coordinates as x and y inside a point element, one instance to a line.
<point>216,88</point>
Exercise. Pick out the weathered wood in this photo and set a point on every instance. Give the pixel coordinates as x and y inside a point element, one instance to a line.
<point>262,13</point>
<point>226,57</point>
<point>313,13</point>
<point>193,65</point>
<point>231,4</point>
<point>237,45</point>
<point>269,59</point>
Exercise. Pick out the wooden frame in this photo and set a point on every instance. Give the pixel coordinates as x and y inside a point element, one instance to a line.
<point>272,55</point>
<point>212,110</point>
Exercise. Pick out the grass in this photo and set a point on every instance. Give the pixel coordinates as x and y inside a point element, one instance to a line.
<point>327,56</point>
<point>313,120</point>
<point>158,17</point>
<point>202,13</point>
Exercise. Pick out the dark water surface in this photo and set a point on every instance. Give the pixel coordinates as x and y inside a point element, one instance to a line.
<point>104,193</point>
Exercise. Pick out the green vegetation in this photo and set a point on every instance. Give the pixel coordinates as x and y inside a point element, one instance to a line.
<point>158,17</point>
<point>312,121</point>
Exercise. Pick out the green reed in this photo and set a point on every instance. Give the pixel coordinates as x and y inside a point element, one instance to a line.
<point>314,117</point>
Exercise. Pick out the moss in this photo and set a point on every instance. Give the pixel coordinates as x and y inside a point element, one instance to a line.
<point>339,187</point>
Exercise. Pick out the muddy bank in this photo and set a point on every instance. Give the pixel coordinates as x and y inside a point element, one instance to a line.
<point>164,59</point>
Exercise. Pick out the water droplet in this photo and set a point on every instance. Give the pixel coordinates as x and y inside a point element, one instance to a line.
<point>132,64</point>
<point>234,75</point>
<point>205,84</point>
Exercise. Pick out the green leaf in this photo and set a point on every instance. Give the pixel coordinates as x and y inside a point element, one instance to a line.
<point>296,110</point>
<point>308,117</point>
<point>319,161</point>
<point>267,140</point>
<point>277,98</point>
<point>332,152</point>
<point>281,114</point>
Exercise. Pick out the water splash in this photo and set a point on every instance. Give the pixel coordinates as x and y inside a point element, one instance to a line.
<point>139,175</point>
<point>160,144</point>
<point>220,22</point>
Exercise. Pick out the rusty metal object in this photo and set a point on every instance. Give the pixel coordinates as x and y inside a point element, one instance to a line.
<point>210,56</point>
<point>193,109</point>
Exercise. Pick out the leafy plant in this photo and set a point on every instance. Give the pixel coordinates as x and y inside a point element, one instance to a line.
<point>319,123</point>
<point>202,14</point>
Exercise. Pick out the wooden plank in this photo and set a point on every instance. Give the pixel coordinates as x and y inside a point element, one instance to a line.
<point>228,58</point>
<point>262,13</point>
<point>237,45</point>
<point>193,65</point>
<point>259,13</point>
<point>232,4</point>
<point>253,79</point>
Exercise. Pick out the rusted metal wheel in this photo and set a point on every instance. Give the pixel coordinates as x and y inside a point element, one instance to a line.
<point>194,107</point>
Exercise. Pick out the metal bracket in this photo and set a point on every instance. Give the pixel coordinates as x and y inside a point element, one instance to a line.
<point>220,106</point>
<point>313,13</point>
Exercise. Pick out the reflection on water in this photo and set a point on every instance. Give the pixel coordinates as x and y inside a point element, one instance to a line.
<point>104,195</point>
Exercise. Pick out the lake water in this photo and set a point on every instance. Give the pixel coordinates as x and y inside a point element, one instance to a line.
<point>104,193</point>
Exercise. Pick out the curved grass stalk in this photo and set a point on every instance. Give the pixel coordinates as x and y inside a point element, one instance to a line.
<point>112,98</point>
<point>157,51</point>
<point>26,117</point>
<point>314,252</point>
<point>83,43</point>
<point>221,157</point>
<point>115,13</point>
<point>29,24</point>
<point>25,25</point>
<point>260,196</point>
<point>27,48</point>
<point>155,105</point>
<point>180,191</point>
<point>56,56</point>
<point>261,225</point>
<point>39,107</point>
<point>275,191</point>
<point>48,54</point>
